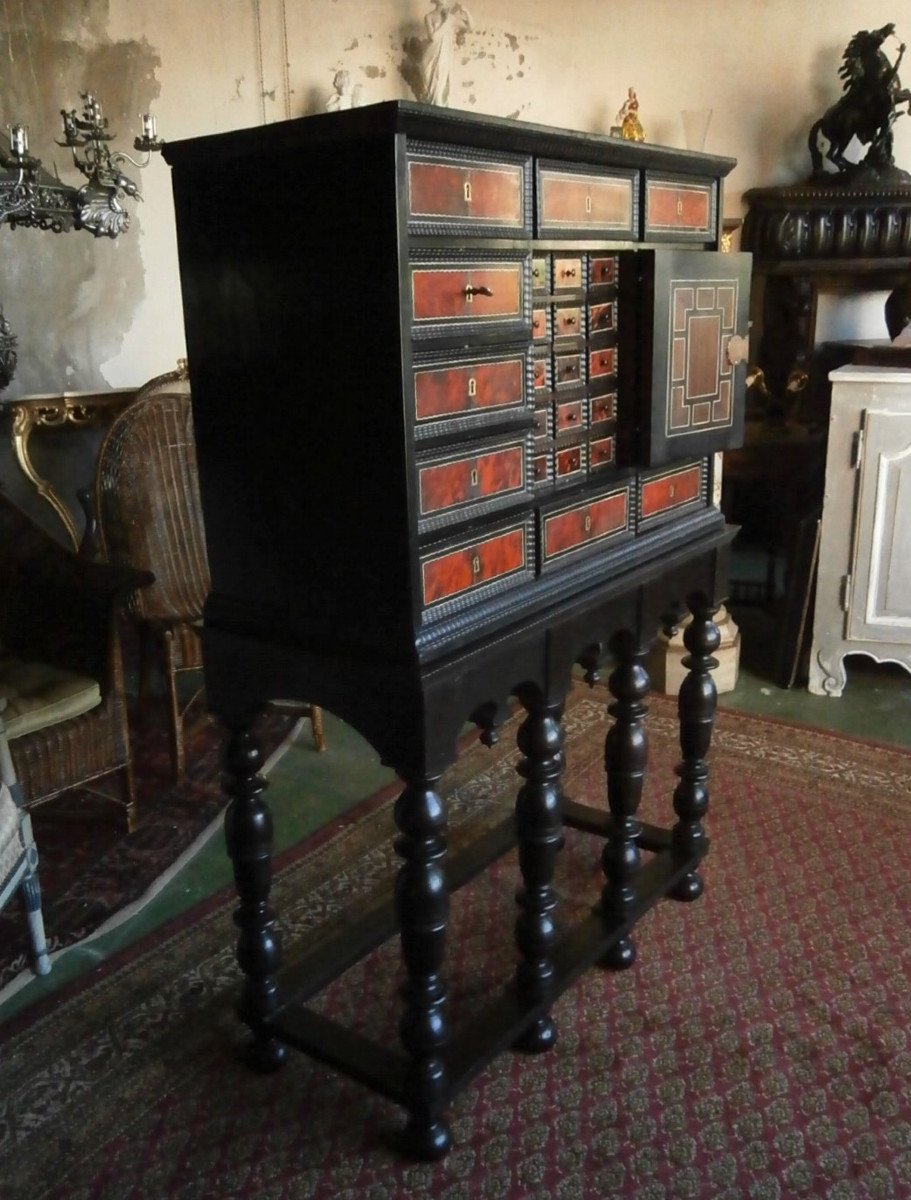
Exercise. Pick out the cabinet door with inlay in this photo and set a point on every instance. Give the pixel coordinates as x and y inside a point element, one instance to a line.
<point>683,326</point>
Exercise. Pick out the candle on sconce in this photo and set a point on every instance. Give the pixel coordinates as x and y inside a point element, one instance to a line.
<point>149,126</point>
<point>18,140</point>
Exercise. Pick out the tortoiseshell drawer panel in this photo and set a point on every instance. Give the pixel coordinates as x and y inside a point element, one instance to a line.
<point>604,408</point>
<point>602,318</point>
<point>586,201</point>
<point>468,567</point>
<point>569,462</point>
<point>585,526</point>
<point>603,271</point>
<point>472,387</point>
<point>671,491</point>
<point>680,207</point>
<point>457,480</point>
<point>570,415</point>
<point>601,453</point>
<point>456,191</point>
<point>602,362</point>
<point>469,295</point>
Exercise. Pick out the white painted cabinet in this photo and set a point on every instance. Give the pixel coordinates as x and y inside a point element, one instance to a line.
<point>863,590</point>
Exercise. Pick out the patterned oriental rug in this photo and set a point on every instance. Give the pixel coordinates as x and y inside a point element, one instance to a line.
<point>90,867</point>
<point>759,1048</point>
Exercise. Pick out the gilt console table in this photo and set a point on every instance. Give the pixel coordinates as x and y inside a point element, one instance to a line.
<point>62,410</point>
<point>458,383</point>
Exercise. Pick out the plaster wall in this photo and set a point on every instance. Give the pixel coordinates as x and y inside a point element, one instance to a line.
<point>93,313</point>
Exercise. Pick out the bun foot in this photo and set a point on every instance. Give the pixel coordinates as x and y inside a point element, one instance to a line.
<point>688,889</point>
<point>540,1036</point>
<point>425,1141</point>
<point>621,955</point>
<point>264,1055</point>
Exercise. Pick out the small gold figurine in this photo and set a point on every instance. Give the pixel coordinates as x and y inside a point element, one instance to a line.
<point>628,119</point>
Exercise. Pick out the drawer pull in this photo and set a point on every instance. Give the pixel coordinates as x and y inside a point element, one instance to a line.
<point>474,476</point>
<point>569,320</point>
<point>471,291</point>
<point>476,565</point>
<point>572,416</point>
<point>467,191</point>
<point>568,272</point>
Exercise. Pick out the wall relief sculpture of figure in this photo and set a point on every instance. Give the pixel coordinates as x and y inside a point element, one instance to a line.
<point>8,357</point>
<point>446,25</point>
<point>869,106</point>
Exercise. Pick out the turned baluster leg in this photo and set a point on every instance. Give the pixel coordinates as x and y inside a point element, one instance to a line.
<point>540,835</point>
<point>248,834</point>
<point>625,759</point>
<point>422,904</point>
<point>696,707</point>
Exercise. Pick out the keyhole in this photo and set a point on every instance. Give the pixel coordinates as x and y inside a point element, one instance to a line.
<point>472,386</point>
<point>588,204</point>
<point>679,206</point>
<point>474,477</point>
<point>467,192</point>
<point>476,565</point>
<point>588,522</point>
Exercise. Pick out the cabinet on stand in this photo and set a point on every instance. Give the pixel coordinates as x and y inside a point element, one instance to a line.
<point>457,383</point>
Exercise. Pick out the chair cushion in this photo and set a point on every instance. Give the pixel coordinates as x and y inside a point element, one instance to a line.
<point>39,695</point>
<point>10,839</point>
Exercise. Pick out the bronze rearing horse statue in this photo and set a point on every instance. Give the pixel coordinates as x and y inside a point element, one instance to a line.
<point>868,108</point>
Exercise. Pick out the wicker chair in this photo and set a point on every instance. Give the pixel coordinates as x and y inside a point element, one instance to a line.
<point>149,514</point>
<point>60,664</point>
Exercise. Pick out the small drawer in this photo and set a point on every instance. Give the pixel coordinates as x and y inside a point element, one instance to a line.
<point>568,274</point>
<point>601,453</point>
<point>583,527</point>
<point>586,201</point>
<point>447,483</point>
<point>602,362</point>
<point>668,492</point>
<point>468,388</point>
<point>542,374</point>
<point>569,369</point>
<point>567,320</point>
<point>450,190</point>
<point>542,463</point>
<point>540,324</point>
<point>570,415</point>
<point>569,462</point>
<point>604,270</point>
<point>602,318</point>
<point>540,274</point>
<point>680,207</point>
<point>604,408</point>
<point>542,421</point>
<point>472,565</point>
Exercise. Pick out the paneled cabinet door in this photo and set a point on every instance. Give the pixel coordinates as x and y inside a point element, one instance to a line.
<point>879,601</point>
<point>683,322</point>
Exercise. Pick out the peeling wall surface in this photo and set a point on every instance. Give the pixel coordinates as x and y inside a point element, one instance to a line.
<point>92,313</point>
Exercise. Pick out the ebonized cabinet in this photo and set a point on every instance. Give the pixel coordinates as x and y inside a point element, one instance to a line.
<point>457,382</point>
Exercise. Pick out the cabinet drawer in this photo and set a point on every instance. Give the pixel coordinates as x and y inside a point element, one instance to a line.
<point>460,388</point>
<point>602,318</point>
<point>569,369</point>
<point>603,270</point>
<point>464,569</point>
<point>601,453</point>
<point>469,295</point>
<point>479,478</point>
<point>540,324</point>
<point>602,362</point>
<point>455,192</point>
<point>668,492</point>
<point>675,207</point>
<point>569,462</point>
<point>586,201</point>
<point>570,416</point>
<point>567,320</point>
<point>604,408</point>
<point>584,526</point>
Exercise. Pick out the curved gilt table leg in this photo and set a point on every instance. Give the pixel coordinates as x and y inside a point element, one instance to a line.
<point>24,421</point>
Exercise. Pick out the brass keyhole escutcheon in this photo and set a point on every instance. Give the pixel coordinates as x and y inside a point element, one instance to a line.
<point>467,191</point>
<point>672,490</point>
<point>472,386</point>
<point>474,476</point>
<point>588,523</point>
<point>476,565</point>
<point>679,206</point>
<point>588,204</point>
